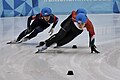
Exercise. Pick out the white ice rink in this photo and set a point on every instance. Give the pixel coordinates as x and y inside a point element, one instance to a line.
<point>18,61</point>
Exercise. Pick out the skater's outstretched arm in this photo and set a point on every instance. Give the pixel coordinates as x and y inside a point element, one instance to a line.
<point>91,31</point>
<point>23,34</point>
<point>55,21</point>
<point>83,21</point>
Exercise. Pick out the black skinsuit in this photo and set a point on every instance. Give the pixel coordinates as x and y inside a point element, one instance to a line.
<point>66,34</point>
<point>38,25</point>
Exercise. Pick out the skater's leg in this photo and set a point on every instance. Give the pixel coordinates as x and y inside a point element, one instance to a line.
<point>28,30</point>
<point>53,39</point>
<point>35,32</point>
<point>56,37</point>
<point>69,37</point>
<point>65,28</point>
<point>23,34</point>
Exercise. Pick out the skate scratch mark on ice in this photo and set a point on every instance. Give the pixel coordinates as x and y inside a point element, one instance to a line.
<point>77,67</point>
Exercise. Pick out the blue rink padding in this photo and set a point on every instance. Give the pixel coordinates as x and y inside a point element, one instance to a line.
<point>12,8</point>
<point>116,8</point>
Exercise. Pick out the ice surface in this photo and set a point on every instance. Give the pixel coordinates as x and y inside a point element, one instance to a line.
<point>18,61</point>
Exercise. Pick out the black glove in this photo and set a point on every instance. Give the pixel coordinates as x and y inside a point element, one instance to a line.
<point>93,48</point>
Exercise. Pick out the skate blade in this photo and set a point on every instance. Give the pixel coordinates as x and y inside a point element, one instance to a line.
<point>38,52</point>
<point>13,42</point>
<point>38,46</point>
<point>9,43</point>
<point>57,47</point>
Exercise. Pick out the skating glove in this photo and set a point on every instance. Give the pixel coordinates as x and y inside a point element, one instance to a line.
<point>93,49</point>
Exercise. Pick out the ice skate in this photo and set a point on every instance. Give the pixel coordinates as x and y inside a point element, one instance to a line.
<point>57,47</point>
<point>40,44</point>
<point>24,39</point>
<point>13,42</point>
<point>40,50</point>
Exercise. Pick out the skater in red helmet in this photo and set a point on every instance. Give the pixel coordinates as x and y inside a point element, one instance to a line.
<point>71,28</point>
<point>41,21</point>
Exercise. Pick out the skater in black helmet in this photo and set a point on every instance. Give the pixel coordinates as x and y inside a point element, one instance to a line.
<point>41,21</point>
<point>70,28</point>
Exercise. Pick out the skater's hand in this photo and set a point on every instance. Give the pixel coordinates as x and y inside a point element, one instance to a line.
<point>93,49</point>
<point>95,46</point>
<point>51,31</point>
